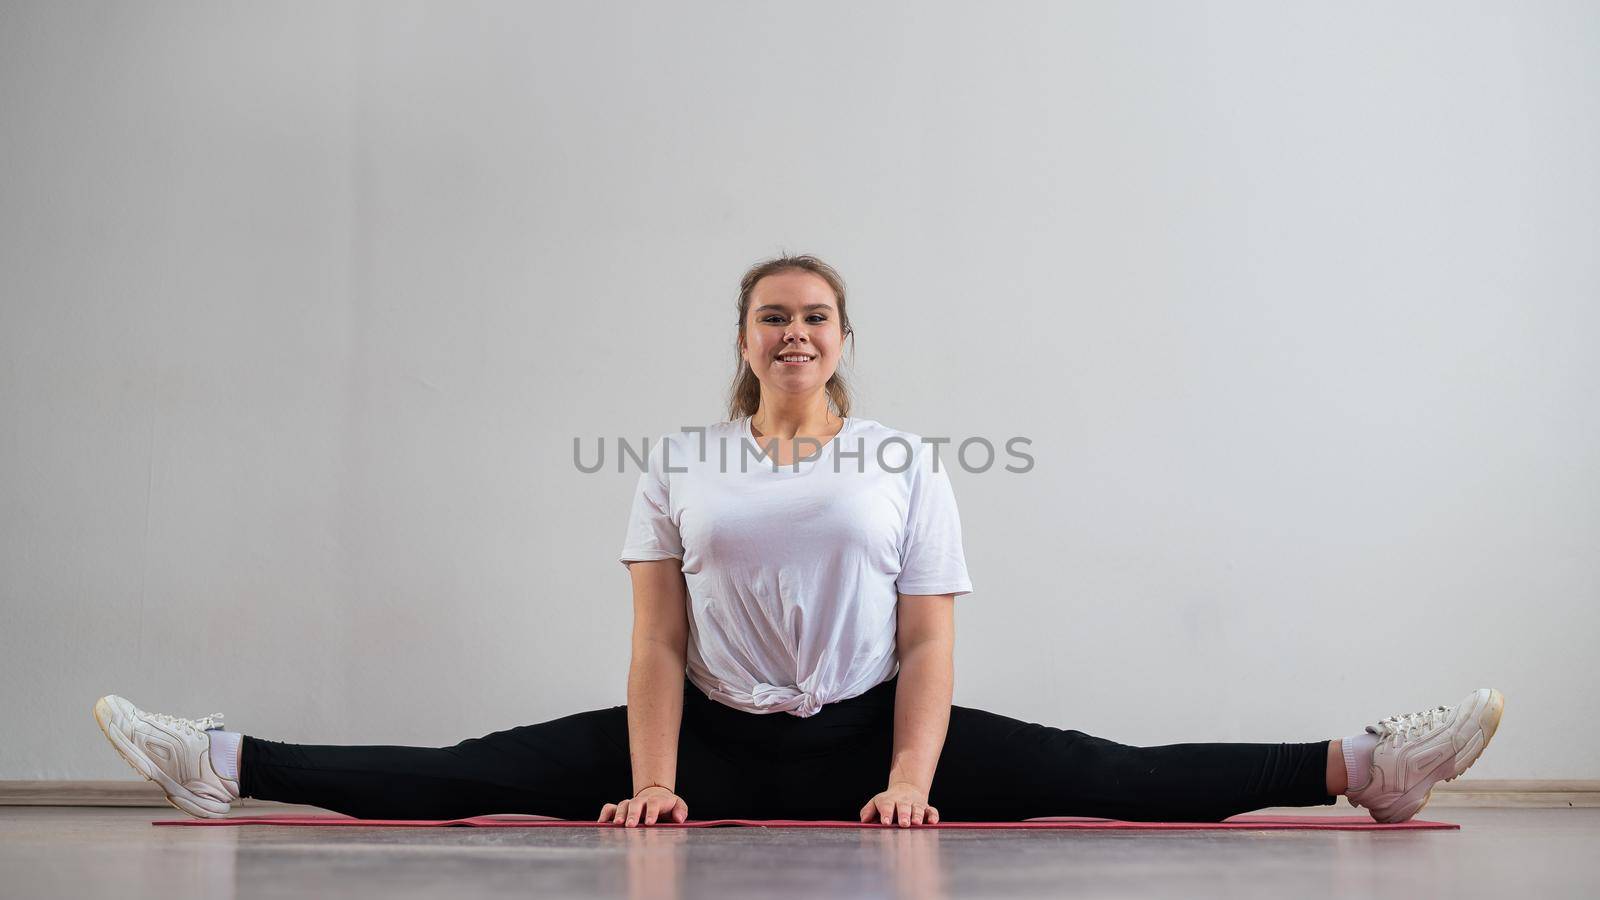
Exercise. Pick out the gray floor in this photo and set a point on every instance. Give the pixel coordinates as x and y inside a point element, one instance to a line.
<point>89,852</point>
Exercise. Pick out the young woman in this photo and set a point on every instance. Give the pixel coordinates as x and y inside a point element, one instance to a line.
<point>794,576</point>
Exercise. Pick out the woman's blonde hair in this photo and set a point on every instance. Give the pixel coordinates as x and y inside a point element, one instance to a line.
<point>745,395</point>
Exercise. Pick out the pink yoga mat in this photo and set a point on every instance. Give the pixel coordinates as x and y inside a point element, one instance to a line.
<point>1250,822</point>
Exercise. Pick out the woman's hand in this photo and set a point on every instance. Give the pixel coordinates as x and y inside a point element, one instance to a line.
<point>901,802</point>
<point>649,804</point>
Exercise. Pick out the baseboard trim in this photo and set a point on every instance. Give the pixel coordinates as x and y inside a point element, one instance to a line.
<point>1513,792</point>
<point>94,793</point>
<point>1520,793</point>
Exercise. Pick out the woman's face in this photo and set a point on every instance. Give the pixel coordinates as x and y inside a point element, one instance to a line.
<point>792,314</point>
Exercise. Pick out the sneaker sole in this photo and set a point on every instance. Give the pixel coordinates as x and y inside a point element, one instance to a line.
<point>1488,724</point>
<point>140,764</point>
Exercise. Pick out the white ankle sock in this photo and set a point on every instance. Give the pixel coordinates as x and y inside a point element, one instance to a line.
<point>1358,759</point>
<point>225,753</point>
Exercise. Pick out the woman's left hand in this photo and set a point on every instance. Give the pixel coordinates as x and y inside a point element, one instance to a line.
<point>903,803</point>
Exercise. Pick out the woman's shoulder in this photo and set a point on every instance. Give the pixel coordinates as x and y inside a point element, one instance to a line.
<point>895,449</point>
<point>695,433</point>
<point>873,429</point>
<point>855,425</point>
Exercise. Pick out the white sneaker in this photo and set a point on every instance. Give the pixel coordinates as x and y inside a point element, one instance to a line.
<point>174,753</point>
<point>1417,750</point>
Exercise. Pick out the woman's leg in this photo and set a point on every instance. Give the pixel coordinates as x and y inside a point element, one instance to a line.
<point>567,768</point>
<point>995,768</point>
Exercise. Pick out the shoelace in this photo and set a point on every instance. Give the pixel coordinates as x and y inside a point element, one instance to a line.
<point>203,724</point>
<point>1398,728</point>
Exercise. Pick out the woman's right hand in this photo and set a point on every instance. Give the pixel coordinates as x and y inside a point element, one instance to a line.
<point>649,805</point>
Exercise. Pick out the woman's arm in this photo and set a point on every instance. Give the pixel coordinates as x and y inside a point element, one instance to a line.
<point>925,640</point>
<point>655,675</point>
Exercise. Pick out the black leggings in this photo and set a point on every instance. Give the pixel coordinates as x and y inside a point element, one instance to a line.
<point>734,764</point>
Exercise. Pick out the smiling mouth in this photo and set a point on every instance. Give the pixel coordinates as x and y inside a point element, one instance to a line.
<point>794,359</point>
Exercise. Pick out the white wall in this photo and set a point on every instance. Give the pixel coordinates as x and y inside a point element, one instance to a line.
<point>303,305</point>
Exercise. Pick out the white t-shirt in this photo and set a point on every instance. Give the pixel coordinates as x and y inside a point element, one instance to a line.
<point>794,571</point>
